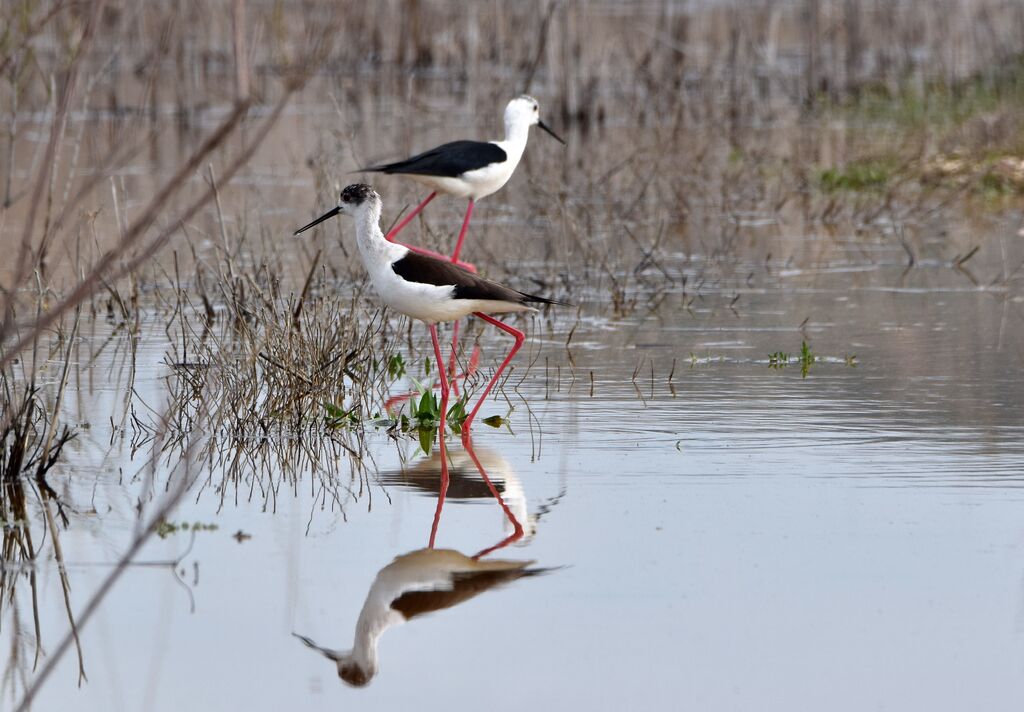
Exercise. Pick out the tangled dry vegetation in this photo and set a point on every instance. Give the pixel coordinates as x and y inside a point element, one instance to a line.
<point>293,382</point>
<point>67,61</point>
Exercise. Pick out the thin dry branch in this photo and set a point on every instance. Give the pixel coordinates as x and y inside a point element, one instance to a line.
<point>94,280</point>
<point>67,92</point>
<point>170,501</point>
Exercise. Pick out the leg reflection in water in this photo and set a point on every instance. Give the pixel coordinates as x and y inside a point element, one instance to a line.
<point>508,479</point>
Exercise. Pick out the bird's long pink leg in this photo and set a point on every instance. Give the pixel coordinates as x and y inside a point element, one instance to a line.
<point>520,337</point>
<point>455,259</point>
<point>500,545</point>
<point>440,434</point>
<point>452,361</point>
<point>517,528</point>
<point>390,237</point>
<point>462,232</point>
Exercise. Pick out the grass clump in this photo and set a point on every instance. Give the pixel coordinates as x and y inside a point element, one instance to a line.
<point>858,176</point>
<point>940,103</point>
<point>1003,177</point>
<point>806,359</point>
<point>165,528</point>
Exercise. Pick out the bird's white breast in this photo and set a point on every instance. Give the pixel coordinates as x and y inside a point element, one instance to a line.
<point>433,304</point>
<point>426,302</point>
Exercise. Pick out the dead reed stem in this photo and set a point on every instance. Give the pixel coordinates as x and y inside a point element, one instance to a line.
<point>65,96</point>
<point>168,503</point>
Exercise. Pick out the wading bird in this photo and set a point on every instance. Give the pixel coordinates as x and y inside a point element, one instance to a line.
<point>468,169</point>
<point>419,582</point>
<point>427,288</point>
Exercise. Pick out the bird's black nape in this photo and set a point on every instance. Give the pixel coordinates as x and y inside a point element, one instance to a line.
<point>356,194</point>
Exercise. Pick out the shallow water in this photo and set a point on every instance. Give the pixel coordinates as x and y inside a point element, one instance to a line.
<point>737,537</point>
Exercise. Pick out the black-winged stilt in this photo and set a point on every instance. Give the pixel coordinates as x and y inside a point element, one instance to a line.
<point>428,288</point>
<point>416,583</point>
<point>469,169</point>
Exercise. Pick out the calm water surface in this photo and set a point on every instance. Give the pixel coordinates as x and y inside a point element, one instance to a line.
<point>738,538</point>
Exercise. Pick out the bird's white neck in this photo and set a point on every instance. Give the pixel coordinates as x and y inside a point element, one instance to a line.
<point>364,648</point>
<point>373,248</point>
<point>516,134</point>
<point>375,618</point>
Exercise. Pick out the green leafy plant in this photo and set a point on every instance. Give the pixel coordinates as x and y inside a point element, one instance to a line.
<point>425,416</point>
<point>807,358</point>
<point>426,435</point>
<point>165,528</point>
<point>855,177</point>
<point>427,410</point>
<point>396,366</point>
<point>337,417</point>
<point>457,414</point>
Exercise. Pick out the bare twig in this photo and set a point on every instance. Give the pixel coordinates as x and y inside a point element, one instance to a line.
<point>21,269</point>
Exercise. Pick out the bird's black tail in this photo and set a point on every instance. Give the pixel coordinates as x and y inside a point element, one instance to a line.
<point>533,298</point>
<point>381,168</point>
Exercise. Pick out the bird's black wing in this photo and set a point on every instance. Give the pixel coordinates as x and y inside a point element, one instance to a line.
<point>463,480</point>
<point>464,586</point>
<point>425,269</point>
<point>450,160</point>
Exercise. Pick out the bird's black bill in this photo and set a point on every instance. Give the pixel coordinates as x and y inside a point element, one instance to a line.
<point>545,127</point>
<point>326,652</point>
<point>326,216</point>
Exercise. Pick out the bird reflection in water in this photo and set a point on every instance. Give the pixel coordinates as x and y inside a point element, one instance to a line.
<point>469,474</point>
<point>431,579</point>
<point>413,584</point>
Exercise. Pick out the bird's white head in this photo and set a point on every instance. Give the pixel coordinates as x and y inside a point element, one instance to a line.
<point>525,111</point>
<point>356,200</point>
